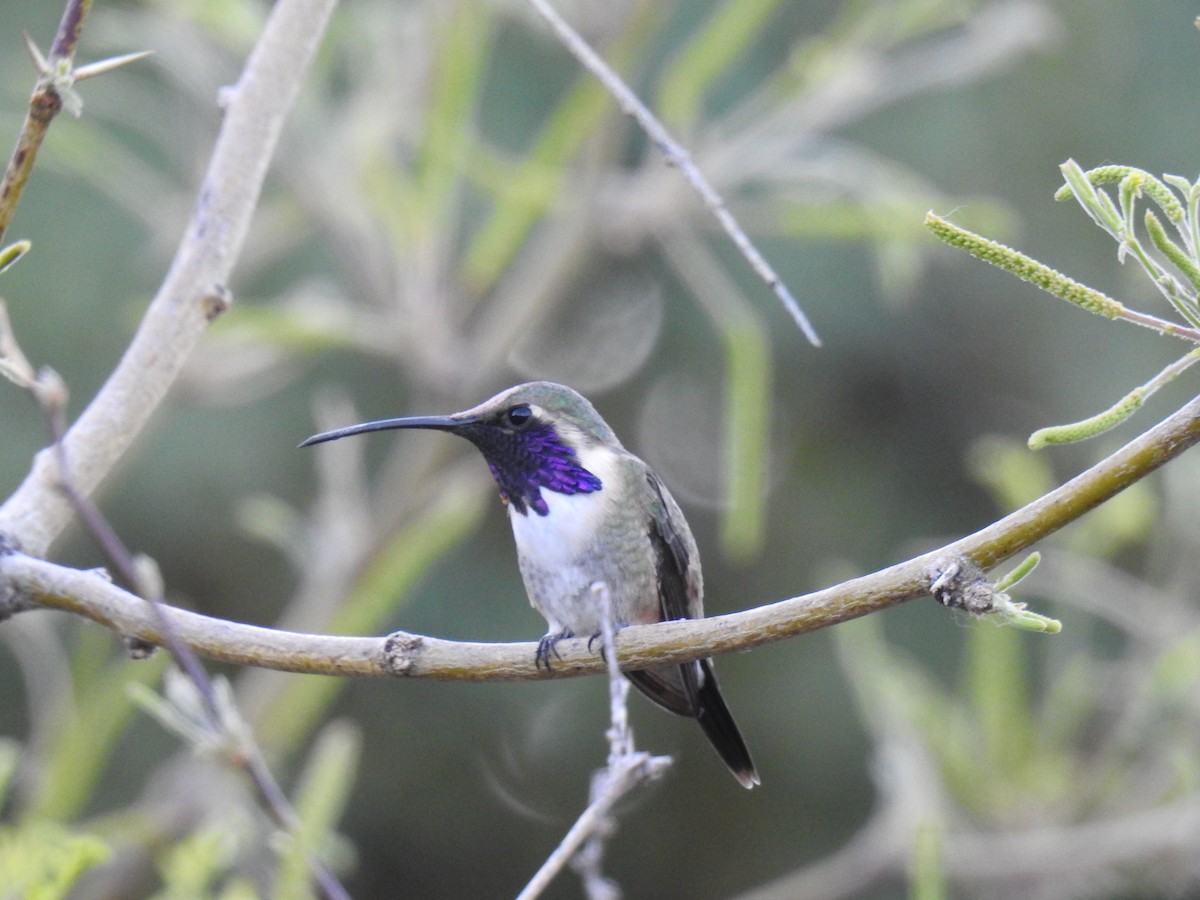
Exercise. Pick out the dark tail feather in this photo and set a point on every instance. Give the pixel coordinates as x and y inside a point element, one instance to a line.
<point>691,690</point>
<point>714,717</point>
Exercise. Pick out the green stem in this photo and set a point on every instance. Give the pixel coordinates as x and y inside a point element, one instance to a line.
<point>1115,414</point>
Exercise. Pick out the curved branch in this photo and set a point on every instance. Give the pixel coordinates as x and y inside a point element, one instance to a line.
<point>33,580</point>
<point>193,292</point>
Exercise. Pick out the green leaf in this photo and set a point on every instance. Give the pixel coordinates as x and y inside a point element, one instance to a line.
<point>1095,203</point>
<point>1091,426</point>
<point>746,434</point>
<point>709,55</point>
<point>321,796</point>
<point>40,860</point>
<point>460,55</point>
<point>190,867</point>
<point>1027,565</point>
<point>1172,251</point>
<point>927,877</point>
<point>1024,267</point>
<point>324,327</point>
<point>12,253</point>
<point>574,122</point>
<point>1115,414</point>
<point>77,751</point>
<point>10,755</point>
<point>1008,471</point>
<point>999,695</point>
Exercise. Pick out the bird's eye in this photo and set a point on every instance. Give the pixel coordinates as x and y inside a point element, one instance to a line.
<point>520,416</point>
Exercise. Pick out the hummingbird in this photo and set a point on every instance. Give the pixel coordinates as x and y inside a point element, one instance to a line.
<point>591,520</point>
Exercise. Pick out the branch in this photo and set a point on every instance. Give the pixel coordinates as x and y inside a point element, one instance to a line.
<point>44,105</point>
<point>627,768</point>
<point>193,292</point>
<point>676,156</point>
<point>24,579</point>
<point>52,93</point>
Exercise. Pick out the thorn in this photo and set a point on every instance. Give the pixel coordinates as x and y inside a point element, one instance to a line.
<point>107,65</point>
<point>39,61</point>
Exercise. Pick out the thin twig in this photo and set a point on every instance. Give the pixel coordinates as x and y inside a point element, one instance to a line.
<point>52,93</point>
<point>592,818</point>
<point>44,105</point>
<point>1162,326</point>
<point>69,28</point>
<point>675,155</point>
<point>583,844</point>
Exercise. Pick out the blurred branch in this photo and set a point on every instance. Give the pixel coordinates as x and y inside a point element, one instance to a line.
<point>641,646</point>
<point>890,67</point>
<point>192,293</point>
<point>981,860</point>
<point>676,156</point>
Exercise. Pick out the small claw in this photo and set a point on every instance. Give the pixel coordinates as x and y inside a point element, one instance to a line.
<point>548,645</point>
<point>599,636</point>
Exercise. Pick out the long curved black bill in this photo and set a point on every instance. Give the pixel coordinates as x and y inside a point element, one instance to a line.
<point>436,423</point>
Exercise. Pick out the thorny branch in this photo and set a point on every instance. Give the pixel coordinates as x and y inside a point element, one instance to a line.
<point>44,105</point>
<point>52,93</point>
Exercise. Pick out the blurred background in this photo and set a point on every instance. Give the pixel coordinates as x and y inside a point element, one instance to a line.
<point>456,208</point>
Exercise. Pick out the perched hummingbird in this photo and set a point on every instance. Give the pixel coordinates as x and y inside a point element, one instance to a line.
<point>591,519</point>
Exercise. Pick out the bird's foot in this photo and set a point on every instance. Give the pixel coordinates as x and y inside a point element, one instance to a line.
<point>599,636</point>
<point>548,645</point>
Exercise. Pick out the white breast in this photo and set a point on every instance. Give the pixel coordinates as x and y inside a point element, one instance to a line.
<point>559,538</point>
<point>557,550</point>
